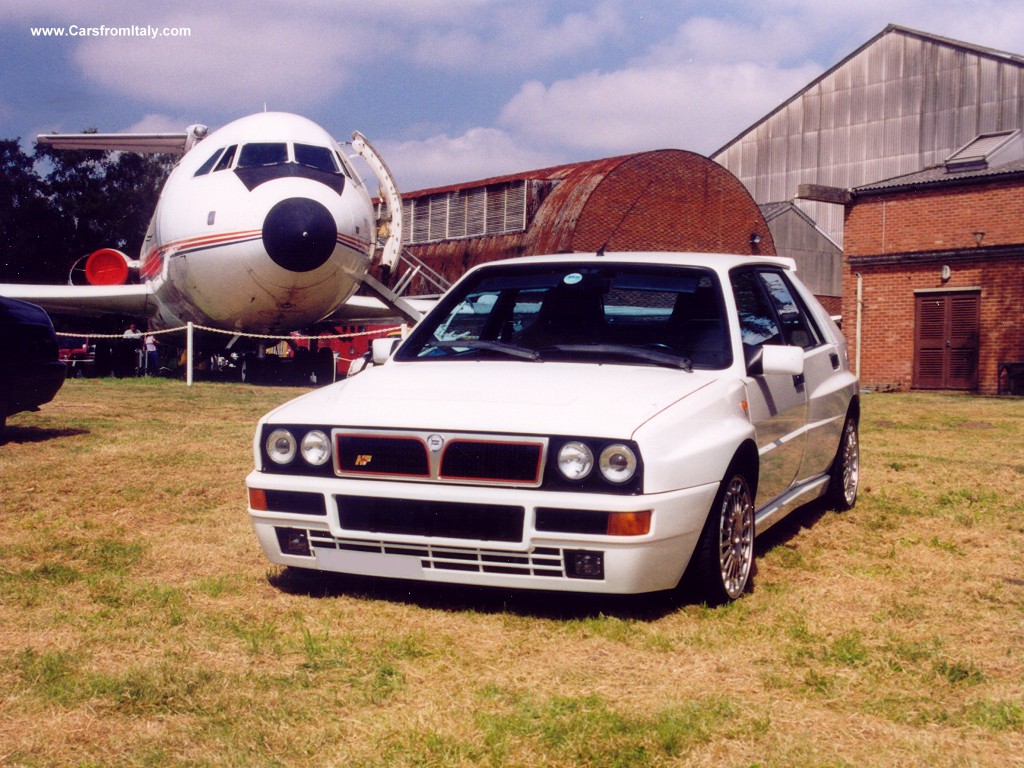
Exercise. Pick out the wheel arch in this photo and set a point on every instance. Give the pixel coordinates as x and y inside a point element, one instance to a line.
<point>747,460</point>
<point>854,408</point>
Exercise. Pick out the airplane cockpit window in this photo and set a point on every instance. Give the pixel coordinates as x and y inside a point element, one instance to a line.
<point>315,157</point>
<point>206,167</point>
<point>263,153</point>
<point>226,158</point>
<point>344,166</point>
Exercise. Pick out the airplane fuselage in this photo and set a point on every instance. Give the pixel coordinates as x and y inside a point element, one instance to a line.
<point>262,227</point>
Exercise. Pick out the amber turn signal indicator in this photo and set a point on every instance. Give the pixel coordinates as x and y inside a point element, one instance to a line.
<point>258,499</point>
<point>629,523</point>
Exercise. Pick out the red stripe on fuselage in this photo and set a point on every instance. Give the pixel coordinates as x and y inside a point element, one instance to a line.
<point>152,263</point>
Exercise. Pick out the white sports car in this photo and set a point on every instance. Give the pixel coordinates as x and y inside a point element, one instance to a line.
<point>597,423</point>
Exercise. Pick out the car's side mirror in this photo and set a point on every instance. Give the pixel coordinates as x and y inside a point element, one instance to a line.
<point>775,360</point>
<point>382,349</point>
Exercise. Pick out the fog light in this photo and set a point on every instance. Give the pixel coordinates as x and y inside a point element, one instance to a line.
<point>292,541</point>
<point>583,564</point>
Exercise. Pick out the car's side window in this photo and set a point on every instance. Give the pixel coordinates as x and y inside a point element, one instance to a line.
<point>797,327</point>
<point>758,324</point>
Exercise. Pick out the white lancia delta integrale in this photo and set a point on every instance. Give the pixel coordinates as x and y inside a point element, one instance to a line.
<point>599,423</point>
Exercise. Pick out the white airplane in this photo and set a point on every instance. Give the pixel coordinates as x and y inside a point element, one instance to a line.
<point>262,227</point>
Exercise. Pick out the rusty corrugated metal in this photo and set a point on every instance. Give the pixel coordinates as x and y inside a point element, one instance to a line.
<point>660,200</point>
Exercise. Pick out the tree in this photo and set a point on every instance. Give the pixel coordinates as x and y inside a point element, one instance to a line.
<point>31,229</point>
<point>103,199</point>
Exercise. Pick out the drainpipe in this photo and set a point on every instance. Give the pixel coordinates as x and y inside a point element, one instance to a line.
<point>860,308</point>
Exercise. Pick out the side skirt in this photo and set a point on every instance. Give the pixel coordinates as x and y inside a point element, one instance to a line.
<point>778,508</point>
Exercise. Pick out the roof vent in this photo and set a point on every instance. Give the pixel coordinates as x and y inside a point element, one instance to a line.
<point>986,150</point>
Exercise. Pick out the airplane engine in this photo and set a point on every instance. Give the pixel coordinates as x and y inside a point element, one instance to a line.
<point>106,266</point>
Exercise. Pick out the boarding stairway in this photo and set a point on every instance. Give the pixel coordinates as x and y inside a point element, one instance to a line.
<point>395,259</point>
<point>409,267</point>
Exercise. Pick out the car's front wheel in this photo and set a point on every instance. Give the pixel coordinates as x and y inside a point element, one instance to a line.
<point>724,559</point>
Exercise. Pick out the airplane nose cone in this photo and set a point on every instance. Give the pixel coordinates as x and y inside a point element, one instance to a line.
<point>299,234</point>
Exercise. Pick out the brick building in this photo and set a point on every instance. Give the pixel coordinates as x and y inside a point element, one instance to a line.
<point>933,294</point>
<point>663,200</point>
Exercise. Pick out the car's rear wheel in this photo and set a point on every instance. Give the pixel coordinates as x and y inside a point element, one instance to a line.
<point>844,475</point>
<point>724,560</point>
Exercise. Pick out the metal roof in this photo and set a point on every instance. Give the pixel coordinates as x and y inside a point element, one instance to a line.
<point>903,101</point>
<point>939,175</point>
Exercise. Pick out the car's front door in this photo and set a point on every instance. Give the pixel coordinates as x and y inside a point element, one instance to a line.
<point>778,403</point>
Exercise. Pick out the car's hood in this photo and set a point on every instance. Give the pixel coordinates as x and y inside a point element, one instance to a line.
<point>488,396</point>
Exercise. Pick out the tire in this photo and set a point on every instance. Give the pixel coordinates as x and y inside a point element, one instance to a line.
<point>724,559</point>
<point>844,474</point>
<point>250,370</point>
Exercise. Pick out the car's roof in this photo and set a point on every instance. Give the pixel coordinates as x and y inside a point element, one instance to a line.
<point>18,312</point>
<point>714,261</point>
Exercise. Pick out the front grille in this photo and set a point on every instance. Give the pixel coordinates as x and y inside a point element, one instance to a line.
<point>492,461</point>
<point>382,455</point>
<point>541,561</point>
<point>431,456</point>
<point>484,522</point>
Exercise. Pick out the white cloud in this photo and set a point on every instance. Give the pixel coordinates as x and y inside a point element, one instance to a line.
<point>281,62</point>
<point>154,123</point>
<point>513,36</point>
<point>476,154</point>
<point>692,106</point>
<point>708,40</point>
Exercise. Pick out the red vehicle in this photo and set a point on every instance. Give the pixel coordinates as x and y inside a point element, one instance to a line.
<point>346,348</point>
<point>79,355</point>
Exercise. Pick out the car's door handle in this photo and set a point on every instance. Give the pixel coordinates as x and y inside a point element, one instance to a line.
<point>798,380</point>
<point>834,359</point>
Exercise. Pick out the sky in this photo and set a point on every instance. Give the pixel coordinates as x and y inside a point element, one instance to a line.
<point>451,90</point>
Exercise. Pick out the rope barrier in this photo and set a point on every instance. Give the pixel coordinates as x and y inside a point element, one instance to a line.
<point>189,328</point>
<point>289,337</point>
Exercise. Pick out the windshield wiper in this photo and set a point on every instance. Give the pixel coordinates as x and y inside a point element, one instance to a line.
<point>656,356</point>
<point>492,346</point>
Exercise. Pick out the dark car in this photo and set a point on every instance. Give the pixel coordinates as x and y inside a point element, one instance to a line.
<point>30,371</point>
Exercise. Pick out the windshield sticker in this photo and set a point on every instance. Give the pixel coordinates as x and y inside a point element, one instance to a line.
<point>572,279</point>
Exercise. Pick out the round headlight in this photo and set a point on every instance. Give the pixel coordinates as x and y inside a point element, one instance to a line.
<point>281,446</point>
<point>575,460</point>
<point>618,463</point>
<point>316,448</point>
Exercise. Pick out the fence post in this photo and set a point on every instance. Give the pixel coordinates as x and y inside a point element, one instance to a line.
<point>188,355</point>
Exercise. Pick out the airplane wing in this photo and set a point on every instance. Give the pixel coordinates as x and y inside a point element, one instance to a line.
<point>372,310</point>
<point>123,142</point>
<point>86,300</point>
<point>171,143</point>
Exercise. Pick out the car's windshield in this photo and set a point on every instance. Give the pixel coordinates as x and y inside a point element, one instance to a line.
<point>615,313</point>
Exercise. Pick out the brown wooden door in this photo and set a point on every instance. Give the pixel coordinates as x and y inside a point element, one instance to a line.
<point>946,333</point>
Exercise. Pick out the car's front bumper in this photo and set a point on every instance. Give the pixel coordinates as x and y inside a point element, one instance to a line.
<point>538,559</point>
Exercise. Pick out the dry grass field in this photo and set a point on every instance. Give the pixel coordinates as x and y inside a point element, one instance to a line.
<point>141,626</point>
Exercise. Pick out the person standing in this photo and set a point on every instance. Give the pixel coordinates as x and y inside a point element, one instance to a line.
<point>149,344</point>
<point>129,353</point>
